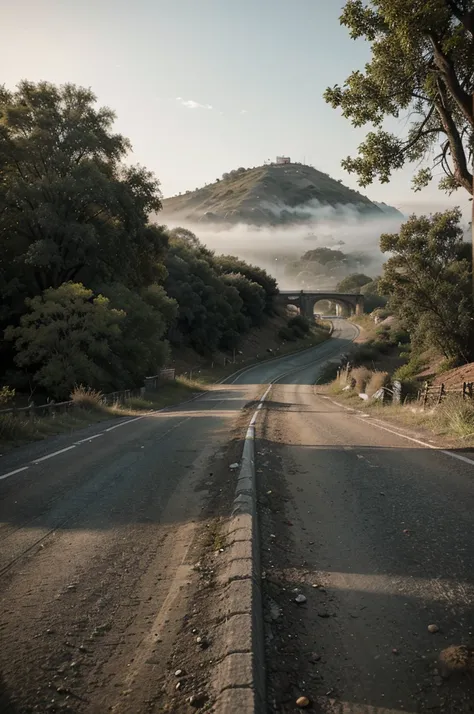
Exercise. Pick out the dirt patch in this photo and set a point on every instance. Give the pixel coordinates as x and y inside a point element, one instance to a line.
<point>455,377</point>
<point>187,683</point>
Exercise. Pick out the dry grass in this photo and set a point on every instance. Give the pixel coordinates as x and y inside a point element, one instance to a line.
<point>17,429</point>
<point>362,376</point>
<point>456,416</point>
<point>376,381</point>
<point>87,398</point>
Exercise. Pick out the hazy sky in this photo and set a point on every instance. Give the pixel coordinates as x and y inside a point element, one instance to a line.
<point>204,86</point>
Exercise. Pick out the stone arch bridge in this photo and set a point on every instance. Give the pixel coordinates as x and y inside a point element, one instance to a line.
<point>305,300</point>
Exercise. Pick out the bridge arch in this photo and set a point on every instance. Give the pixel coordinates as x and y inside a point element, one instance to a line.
<point>305,300</point>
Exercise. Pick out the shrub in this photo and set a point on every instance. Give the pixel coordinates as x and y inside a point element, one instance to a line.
<point>400,336</point>
<point>6,396</point>
<point>381,346</point>
<point>376,381</point>
<point>87,398</point>
<point>363,353</point>
<point>407,371</point>
<point>362,376</point>
<point>286,333</point>
<point>300,323</point>
<point>457,416</point>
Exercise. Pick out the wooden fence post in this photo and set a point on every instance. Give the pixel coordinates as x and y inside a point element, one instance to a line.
<point>425,394</point>
<point>441,393</point>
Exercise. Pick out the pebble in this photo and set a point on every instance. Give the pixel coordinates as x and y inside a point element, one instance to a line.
<point>178,673</point>
<point>315,657</point>
<point>234,466</point>
<point>197,700</point>
<point>302,702</point>
<point>433,629</point>
<point>300,599</point>
<point>178,685</point>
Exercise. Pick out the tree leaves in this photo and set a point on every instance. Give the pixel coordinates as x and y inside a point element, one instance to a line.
<point>428,280</point>
<point>421,65</point>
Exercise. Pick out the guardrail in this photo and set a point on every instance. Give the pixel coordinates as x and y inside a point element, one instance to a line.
<point>151,383</point>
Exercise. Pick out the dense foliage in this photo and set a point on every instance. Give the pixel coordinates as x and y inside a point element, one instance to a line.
<point>428,279</point>
<point>421,66</point>
<point>353,283</point>
<point>91,290</point>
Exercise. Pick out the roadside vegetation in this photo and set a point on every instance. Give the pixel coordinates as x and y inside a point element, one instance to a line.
<point>91,291</point>
<point>424,329</point>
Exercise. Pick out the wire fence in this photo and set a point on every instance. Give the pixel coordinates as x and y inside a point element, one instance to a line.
<point>151,384</point>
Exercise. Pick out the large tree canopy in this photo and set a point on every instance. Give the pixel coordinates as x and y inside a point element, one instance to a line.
<point>69,208</point>
<point>428,278</point>
<point>422,66</point>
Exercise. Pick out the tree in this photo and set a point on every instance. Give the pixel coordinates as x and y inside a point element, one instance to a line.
<point>323,256</point>
<point>353,283</point>
<point>252,295</point>
<point>422,60</point>
<point>232,264</point>
<point>372,296</point>
<point>427,279</point>
<point>140,348</point>
<point>184,234</point>
<point>70,210</point>
<point>65,339</point>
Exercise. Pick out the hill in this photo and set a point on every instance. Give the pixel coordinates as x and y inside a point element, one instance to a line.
<point>273,194</point>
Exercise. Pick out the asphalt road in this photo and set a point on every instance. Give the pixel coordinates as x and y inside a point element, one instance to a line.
<point>375,530</point>
<point>97,531</point>
<point>98,540</point>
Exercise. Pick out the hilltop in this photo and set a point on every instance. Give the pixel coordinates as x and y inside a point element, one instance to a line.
<point>272,194</point>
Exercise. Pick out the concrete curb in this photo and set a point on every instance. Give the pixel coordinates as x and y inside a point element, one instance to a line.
<point>240,674</point>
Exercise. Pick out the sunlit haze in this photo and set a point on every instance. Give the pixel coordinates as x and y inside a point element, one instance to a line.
<point>204,87</point>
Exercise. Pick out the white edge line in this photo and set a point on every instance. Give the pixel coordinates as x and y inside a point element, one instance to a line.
<point>129,421</point>
<point>55,453</point>
<point>455,456</point>
<point>375,422</point>
<point>12,473</point>
<point>89,438</point>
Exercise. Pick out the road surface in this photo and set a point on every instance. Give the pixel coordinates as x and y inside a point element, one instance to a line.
<point>375,530</point>
<point>98,538</point>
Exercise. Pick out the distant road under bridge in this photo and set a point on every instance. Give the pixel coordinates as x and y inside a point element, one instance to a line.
<point>305,300</point>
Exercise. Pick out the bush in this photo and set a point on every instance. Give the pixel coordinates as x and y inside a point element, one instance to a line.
<point>87,398</point>
<point>400,336</point>
<point>286,333</point>
<point>6,396</point>
<point>362,376</point>
<point>363,353</point>
<point>407,371</point>
<point>381,346</point>
<point>376,381</point>
<point>457,416</point>
<point>300,323</point>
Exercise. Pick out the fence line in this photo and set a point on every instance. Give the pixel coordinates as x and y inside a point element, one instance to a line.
<point>435,393</point>
<point>151,383</point>
<point>429,395</point>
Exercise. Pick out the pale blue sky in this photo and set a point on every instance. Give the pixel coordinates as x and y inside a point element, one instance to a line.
<point>271,58</point>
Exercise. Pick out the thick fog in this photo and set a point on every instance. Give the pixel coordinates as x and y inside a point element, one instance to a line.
<point>276,248</point>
